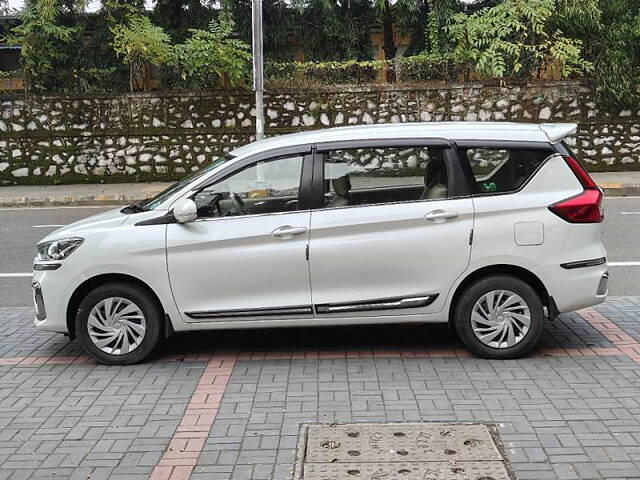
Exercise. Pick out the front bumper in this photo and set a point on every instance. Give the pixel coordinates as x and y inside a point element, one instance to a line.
<point>38,302</point>
<point>50,297</point>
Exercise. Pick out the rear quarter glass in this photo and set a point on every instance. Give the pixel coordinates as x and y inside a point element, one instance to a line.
<point>502,169</point>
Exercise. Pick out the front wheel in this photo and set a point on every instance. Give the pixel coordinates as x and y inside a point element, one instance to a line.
<point>499,317</point>
<point>119,323</point>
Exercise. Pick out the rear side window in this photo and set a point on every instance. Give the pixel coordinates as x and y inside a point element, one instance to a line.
<point>499,170</point>
<point>368,176</point>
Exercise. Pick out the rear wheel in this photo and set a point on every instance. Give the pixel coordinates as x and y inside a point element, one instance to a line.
<point>499,317</point>
<point>119,323</point>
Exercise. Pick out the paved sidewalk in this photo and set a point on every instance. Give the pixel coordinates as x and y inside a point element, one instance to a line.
<point>78,194</point>
<point>613,183</point>
<point>571,411</point>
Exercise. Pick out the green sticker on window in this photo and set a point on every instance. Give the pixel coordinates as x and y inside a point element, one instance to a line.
<point>488,187</point>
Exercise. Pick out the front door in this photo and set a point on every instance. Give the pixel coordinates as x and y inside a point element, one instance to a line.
<point>245,255</point>
<point>390,237</point>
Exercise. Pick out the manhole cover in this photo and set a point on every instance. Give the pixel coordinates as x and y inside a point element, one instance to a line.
<point>400,451</point>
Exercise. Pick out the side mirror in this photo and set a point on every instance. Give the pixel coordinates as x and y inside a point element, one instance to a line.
<point>185,210</point>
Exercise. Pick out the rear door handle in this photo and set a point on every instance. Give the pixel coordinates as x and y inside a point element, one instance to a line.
<point>440,216</point>
<point>287,231</point>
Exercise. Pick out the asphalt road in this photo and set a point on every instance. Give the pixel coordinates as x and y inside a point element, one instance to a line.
<point>21,228</point>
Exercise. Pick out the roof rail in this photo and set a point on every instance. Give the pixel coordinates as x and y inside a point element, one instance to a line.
<point>557,131</point>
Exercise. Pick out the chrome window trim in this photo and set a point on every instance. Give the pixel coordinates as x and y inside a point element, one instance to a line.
<point>422,200</point>
<point>252,215</point>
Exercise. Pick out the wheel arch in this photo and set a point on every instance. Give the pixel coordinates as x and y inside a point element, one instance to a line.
<point>503,269</point>
<point>85,287</point>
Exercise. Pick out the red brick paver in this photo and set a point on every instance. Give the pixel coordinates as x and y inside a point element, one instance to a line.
<point>188,440</point>
<point>624,343</point>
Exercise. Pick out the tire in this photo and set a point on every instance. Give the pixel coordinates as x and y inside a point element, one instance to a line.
<point>127,302</point>
<point>520,299</point>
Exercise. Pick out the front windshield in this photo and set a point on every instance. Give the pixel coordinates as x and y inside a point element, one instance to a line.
<point>153,202</point>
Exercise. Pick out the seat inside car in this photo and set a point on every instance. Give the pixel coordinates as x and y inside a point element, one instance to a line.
<point>341,187</point>
<point>435,178</point>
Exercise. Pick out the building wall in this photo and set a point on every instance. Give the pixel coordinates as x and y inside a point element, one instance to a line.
<point>45,140</point>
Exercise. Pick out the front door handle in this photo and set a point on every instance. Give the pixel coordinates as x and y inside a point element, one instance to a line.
<point>287,231</point>
<point>440,216</point>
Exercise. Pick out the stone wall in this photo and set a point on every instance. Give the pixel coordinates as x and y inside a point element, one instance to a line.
<point>163,136</point>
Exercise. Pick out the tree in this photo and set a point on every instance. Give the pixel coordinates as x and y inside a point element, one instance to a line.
<point>208,56</point>
<point>140,43</point>
<point>513,39</point>
<point>176,17</point>
<point>280,20</point>
<point>610,30</point>
<point>41,39</point>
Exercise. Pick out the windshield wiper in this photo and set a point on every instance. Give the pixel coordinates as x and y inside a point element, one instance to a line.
<point>135,207</point>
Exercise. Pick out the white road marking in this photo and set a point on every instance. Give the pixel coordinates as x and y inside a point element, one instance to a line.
<point>15,275</point>
<point>629,213</point>
<point>61,207</point>
<point>49,226</point>
<point>623,264</point>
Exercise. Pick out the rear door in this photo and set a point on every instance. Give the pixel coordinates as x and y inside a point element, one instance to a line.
<point>390,233</point>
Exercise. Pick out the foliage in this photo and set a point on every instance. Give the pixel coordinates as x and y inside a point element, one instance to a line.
<point>42,39</point>
<point>91,80</point>
<point>616,48</point>
<point>209,56</point>
<point>336,30</point>
<point>581,18</point>
<point>139,42</point>
<point>11,74</point>
<point>323,73</point>
<point>439,15</point>
<point>512,39</point>
<point>177,17</point>
<point>66,50</point>
<point>280,22</point>
<point>417,68</point>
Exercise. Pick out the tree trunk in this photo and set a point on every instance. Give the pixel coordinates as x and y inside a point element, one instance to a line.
<point>388,45</point>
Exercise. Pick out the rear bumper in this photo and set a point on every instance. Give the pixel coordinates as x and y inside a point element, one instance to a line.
<point>576,288</point>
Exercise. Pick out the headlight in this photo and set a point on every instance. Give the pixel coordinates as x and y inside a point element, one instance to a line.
<point>58,249</point>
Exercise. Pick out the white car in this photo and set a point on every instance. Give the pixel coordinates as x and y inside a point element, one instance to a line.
<point>488,226</point>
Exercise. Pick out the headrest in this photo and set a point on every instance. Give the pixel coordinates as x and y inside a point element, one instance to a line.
<point>435,172</point>
<point>341,185</point>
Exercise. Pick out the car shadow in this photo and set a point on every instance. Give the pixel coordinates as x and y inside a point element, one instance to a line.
<point>325,338</point>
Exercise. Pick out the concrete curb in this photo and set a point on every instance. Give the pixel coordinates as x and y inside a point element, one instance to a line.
<point>70,201</point>
<point>615,189</point>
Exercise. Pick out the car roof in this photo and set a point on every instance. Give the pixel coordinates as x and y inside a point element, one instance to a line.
<point>452,131</point>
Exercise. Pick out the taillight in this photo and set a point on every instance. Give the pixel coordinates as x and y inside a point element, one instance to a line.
<point>585,207</point>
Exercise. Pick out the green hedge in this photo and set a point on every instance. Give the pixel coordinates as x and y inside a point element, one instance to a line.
<point>417,68</point>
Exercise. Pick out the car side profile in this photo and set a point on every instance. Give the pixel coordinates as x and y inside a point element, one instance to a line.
<point>489,226</point>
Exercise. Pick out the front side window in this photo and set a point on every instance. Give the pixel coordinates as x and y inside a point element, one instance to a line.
<point>499,170</point>
<point>153,202</point>
<point>366,176</point>
<point>270,186</point>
